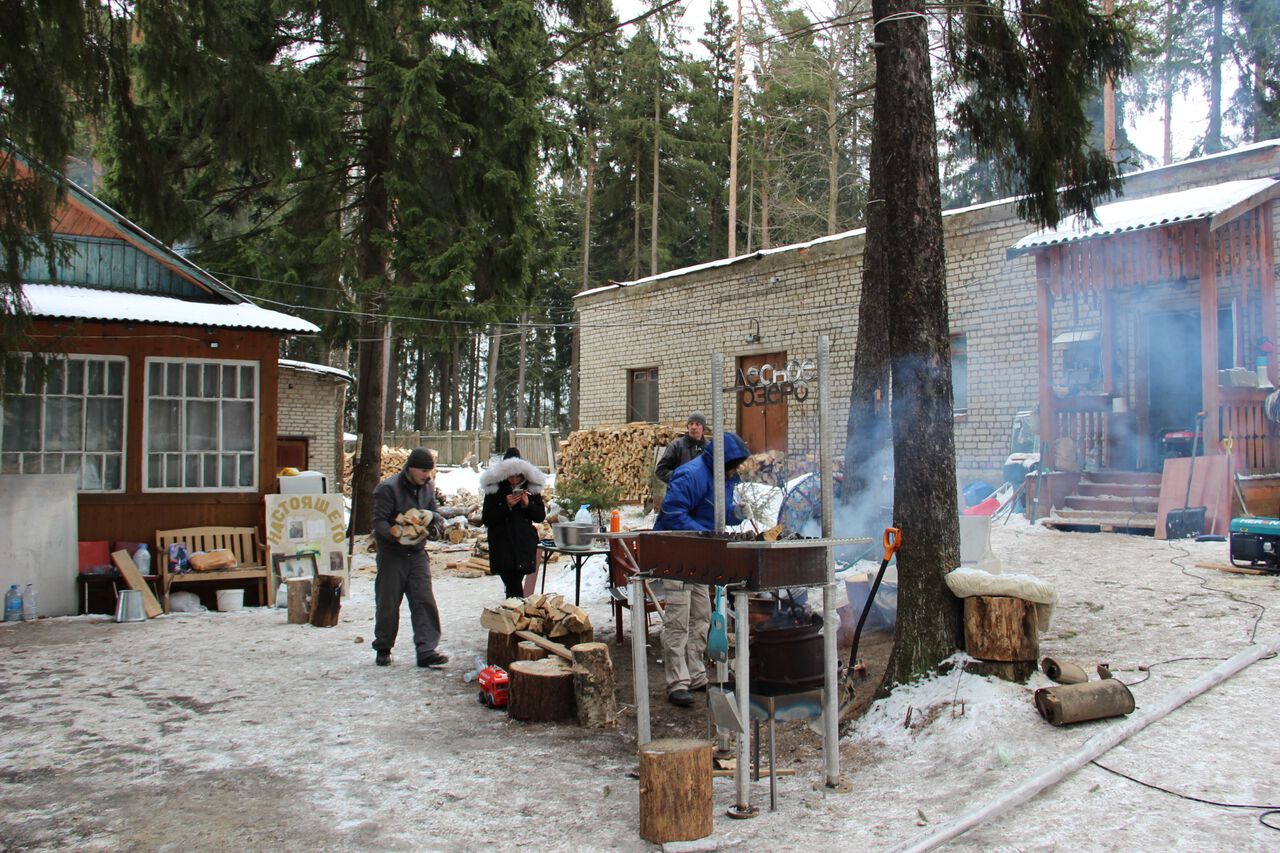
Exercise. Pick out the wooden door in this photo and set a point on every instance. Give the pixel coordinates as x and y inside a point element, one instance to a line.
<point>292,452</point>
<point>762,416</point>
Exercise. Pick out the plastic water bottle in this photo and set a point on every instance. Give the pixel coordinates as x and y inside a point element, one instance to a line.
<point>142,559</point>
<point>615,521</point>
<point>30,610</point>
<point>583,514</point>
<point>13,604</point>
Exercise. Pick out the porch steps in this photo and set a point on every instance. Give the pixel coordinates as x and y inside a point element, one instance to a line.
<point>1110,502</point>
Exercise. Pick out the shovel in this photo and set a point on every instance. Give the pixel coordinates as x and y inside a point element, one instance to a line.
<point>892,541</point>
<point>1188,521</point>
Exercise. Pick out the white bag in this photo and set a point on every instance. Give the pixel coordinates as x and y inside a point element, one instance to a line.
<point>185,602</point>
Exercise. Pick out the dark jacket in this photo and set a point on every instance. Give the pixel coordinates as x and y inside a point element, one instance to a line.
<point>513,540</point>
<point>393,496</point>
<point>690,503</point>
<point>683,449</point>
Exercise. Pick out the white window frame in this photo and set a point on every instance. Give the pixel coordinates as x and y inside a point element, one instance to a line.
<point>146,423</point>
<point>124,425</point>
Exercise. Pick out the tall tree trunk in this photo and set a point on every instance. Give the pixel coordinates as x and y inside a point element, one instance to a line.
<point>455,389</point>
<point>833,139</point>
<point>491,377</point>
<point>764,178</point>
<point>473,404</point>
<point>392,403</point>
<point>1166,84</point>
<point>733,136</point>
<point>375,217</point>
<point>635,225</point>
<point>520,369</point>
<point>422,391</point>
<point>657,148</point>
<point>1213,137</point>
<point>929,624</point>
<point>587,202</point>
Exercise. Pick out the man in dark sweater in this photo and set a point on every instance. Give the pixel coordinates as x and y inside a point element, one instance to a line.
<point>403,569</point>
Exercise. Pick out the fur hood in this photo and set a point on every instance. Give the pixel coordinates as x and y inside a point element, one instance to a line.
<point>534,476</point>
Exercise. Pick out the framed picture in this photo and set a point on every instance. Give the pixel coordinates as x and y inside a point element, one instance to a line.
<point>294,566</point>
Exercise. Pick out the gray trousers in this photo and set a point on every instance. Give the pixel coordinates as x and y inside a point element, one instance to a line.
<point>403,575</point>
<point>685,623</point>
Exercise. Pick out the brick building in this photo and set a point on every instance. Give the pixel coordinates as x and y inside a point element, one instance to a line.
<point>646,345</point>
<point>309,428</point>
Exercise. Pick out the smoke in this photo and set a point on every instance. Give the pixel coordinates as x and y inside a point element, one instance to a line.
<point>865,514</point>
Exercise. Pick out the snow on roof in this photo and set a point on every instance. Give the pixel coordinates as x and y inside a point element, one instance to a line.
<point>86,303</point>
<point>309,367</point>
<point>1152,212</point>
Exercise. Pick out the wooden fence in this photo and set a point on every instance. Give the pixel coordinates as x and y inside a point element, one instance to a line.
<point>538,445</point>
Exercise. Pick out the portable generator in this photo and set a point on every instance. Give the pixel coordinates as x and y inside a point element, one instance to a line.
<point>1255,543</point>
<point>493,683</point>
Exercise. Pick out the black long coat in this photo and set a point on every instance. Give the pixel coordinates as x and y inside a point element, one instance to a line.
<point>513,540</point>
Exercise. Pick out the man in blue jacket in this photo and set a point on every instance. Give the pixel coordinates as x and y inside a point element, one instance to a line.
<point>690,505</point>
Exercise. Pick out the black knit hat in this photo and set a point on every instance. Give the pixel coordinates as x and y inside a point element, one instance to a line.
<point>512,453</point>
<point>420,457</point>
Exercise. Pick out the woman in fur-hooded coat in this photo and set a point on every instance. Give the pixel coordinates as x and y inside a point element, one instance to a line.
<point>512,505</point>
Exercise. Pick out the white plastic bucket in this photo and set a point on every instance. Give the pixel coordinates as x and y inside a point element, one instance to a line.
<point>230,600</point>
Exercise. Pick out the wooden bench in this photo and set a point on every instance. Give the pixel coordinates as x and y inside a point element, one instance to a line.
<point>243,542</point>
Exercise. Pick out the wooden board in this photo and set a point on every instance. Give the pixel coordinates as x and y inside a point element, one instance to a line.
<point>1210,487</point>
<point>133,580</point>
<point>554,648</point>
<point>1235,570</point>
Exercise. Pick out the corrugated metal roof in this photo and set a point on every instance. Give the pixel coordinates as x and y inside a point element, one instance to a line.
<point>83,303</point>
<point>1153,212</point>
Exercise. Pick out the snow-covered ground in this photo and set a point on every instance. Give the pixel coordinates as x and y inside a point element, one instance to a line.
<point>239,731</point>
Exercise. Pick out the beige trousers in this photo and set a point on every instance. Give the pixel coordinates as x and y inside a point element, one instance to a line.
<point>684,634</point>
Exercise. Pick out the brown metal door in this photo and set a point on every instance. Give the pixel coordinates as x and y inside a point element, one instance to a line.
<point>763,423</point>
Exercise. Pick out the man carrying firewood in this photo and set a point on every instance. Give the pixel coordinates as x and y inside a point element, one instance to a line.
<point>690,505</point>
<point>402,562</point>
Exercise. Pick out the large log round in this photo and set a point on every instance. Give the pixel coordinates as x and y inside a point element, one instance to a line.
<point>526,650</point>
<point>501,650</point>
<point>541,691</point>
<point>675,790</point>
<point>1001,628</point>
<point>594,691</point>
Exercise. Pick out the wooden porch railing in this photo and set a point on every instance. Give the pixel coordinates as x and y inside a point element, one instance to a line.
<point>1243,423</point>
<point>1084,421</point>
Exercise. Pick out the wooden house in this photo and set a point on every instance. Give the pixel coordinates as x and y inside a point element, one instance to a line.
<point>163,397</point>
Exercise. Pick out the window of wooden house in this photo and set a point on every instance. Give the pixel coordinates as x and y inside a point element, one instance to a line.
<point>960,374</point>
<point>72,422</point>
<point>201,428</point>
<point>642,395</point>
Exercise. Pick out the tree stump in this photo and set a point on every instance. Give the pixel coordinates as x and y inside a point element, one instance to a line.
<point>594,691</point>
<point>326,601</point>
<point>299,590</point>
<point>501,650</point>
<point>541,691</point>
<point>526,650</point>
<point>675,790</point>
<point>1002,630</point>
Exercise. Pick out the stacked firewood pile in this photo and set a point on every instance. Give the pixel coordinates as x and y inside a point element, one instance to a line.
<point>478,560</point>
<point>625,454</point>
<point>546,614</point>
<point>393,459</point>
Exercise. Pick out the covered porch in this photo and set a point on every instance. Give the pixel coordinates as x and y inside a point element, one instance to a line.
<point>1161,308</point>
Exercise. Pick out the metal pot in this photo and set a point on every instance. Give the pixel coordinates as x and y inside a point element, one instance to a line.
<point>574,535</point>
<point>786,660</point>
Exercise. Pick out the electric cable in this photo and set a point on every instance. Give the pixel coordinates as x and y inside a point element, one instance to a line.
<point>1269,808</point>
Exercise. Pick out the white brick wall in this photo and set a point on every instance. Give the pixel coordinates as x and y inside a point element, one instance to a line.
<point>674,323</point>
<point>310,407</point>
